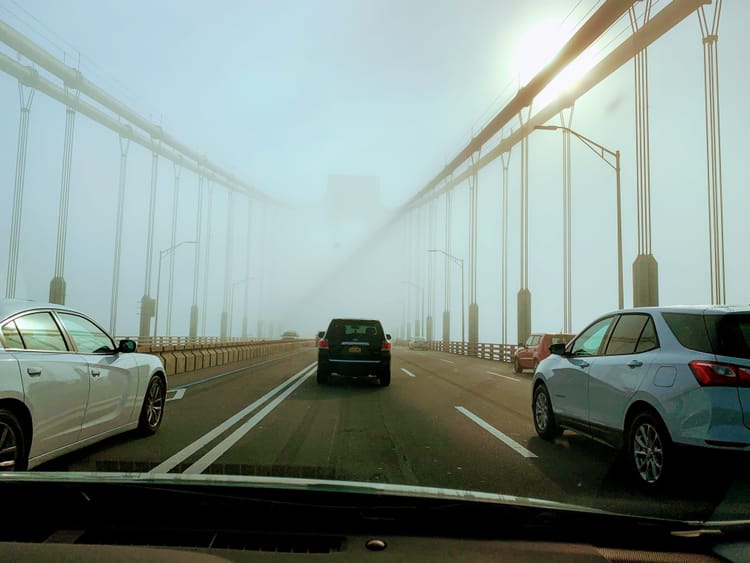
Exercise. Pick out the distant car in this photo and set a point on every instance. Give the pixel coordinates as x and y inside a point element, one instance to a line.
<point>536,348</point>
<point>649,379</point>
<point>357,348</point>
<point>419,344</point>
<point>289,335</point>
<point>65,384</point>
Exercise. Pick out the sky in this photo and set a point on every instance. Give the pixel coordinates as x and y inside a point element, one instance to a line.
<point>286,94</point>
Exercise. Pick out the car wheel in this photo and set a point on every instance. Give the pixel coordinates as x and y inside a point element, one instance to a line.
<point>321,376</point>
<point>385,377</point>
<point>152,412</point>
<point>12,443</point>
<point>516,366</point>
<point>544,418</point>
<point>649,450</point>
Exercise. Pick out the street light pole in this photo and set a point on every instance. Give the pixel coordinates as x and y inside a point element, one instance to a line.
<point>460,262</point>
<point>162,254</point>
<point>600,151</point>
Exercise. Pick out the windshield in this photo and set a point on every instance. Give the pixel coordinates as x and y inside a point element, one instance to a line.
<point>342,237</point>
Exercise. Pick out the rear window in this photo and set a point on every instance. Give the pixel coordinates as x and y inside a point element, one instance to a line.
<point>354,329</point>
<point>725,335</point>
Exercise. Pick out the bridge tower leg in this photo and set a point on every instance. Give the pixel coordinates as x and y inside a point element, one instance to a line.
<point>57,285</point>
<point>430,269</point>
<point>473,306</point>
<point>26,95</point>
<point>567,222</point>
<point>207,255</point>
<point>148,304</point>
<point>710,33</point>
<point>524,295</point>
<point>645,267</point>
<point>193,331</point>
<point>124,146</point>
<point>173,255</point>
<point>504,250</point>
<point>248,245</point>
<point>228,259</point>
<point>447,310</point>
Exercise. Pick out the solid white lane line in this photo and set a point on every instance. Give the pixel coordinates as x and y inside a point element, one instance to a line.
<point>446,361</point>
<point>220,449</point>
<point>510,442</point>
<point>178,394</point>
<point>505,376</point>
<point>201,442</point>
<point>407,372</point>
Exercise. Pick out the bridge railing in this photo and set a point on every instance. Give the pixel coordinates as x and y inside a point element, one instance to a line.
<point>180,354</point>
<point>484,350</point>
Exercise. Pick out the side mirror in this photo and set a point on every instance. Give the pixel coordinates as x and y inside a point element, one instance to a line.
<point>127,346</point>
<point>387,336</point>
<point>558,349</point>
<point>321,333</point>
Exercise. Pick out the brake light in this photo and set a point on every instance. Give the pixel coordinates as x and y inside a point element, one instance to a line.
<point>386,345</point>
<point>323,343</point>
<point>716,374</point>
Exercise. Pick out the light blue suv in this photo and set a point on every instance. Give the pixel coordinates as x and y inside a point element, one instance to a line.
<point>647,379</point>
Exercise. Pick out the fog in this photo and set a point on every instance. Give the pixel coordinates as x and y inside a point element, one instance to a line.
<point>340,112</point>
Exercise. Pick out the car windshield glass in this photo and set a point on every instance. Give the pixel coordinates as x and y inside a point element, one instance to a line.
<point>330,240</point>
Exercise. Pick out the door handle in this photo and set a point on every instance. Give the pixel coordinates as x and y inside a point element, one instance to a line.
<point>95,373</point>
<point>34,372</point>
<point>635,364</point>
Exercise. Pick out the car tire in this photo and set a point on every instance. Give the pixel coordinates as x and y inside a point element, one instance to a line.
<point>321,376</point>
<point>12,438</point>
<point>544,418</point>
<point>385,377</point>
<point>152,411</point>
<point>516,366</point>
<point>649,450</point>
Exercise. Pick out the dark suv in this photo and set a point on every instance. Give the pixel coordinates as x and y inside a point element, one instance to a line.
<point>355,347</point>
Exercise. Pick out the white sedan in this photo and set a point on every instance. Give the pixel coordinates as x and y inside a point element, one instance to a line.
<point>65,384</point>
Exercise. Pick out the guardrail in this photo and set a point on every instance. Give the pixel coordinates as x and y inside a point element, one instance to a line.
<point>484,350</point>
<point>181,354</point>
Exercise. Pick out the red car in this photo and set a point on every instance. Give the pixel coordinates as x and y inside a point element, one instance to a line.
<point>536,348</point>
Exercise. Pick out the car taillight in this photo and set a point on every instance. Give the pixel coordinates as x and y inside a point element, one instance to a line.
<point>323,344</point>
<point>386,345</point>
<point>717,374</point>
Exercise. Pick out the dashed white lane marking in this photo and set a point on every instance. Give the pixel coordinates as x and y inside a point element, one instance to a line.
<point>178,394</point>
<point>505,376</point>
<point>446,361</point>
<point>510,442</point>
<point>221,448</point>
<point>407,372</point>
<point>201,442</point>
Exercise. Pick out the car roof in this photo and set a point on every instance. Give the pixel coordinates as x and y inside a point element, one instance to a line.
<point>705,309</point>
<point>10,307</point>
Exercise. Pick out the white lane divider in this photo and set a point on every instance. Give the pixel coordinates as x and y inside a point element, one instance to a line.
<point>407,372</point>
<point>446,361</point>
<point>505,376</point>
<point>221,448</point>
<point>178,394</point>
<point>510,442</point>
<point>201,442</point>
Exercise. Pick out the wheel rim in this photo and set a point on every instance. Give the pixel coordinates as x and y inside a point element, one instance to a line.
<point>8,448</point>
<point>648,453</point>
<point>541,411</point>
<point>154,404</point>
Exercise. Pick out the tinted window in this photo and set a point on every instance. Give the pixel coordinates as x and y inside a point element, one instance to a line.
<point>733,336</point>
<point>88,338</point>
<point>588,343</point>
<point>40,332</point>
<point>690,330</point>
<point>648,340</point>
<point>354,330</point>
<point>626,334</point>
<point>11,336</point>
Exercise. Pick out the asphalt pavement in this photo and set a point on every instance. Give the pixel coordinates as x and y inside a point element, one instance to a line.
<point>445,421</point>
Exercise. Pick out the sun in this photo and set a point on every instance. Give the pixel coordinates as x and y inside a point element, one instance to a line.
<point>536,47</point>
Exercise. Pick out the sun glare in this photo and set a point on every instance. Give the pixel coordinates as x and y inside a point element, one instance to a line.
<point>536,47</point>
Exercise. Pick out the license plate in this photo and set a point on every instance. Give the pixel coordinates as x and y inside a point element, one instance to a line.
<point>355,349</point>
